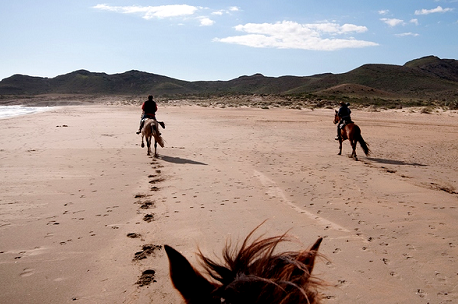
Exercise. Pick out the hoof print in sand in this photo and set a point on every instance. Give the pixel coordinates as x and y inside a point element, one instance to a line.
<point>147,204</point>
<point>141,195</point>
<point>148,217</point>
<point>146,251</point>
<point>133,235</point>
<point>146,278</point>
<point>157,180</point>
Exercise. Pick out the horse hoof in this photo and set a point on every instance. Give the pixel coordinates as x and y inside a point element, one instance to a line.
<point>143,145</point>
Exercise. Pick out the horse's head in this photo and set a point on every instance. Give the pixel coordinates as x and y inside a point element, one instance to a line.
<point>251,274</point>
<point>336,117</point>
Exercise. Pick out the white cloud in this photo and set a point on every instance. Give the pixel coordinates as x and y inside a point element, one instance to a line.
<point>292,35</point>
<point>334,28</point>
<point>228,11</point>
<point>383,12</point>
<point>407,34</point>
<point>414,21</point>
<point>204,21</point>
<point>150,12</point>
<point>438,9</point>
<point>392,21</point>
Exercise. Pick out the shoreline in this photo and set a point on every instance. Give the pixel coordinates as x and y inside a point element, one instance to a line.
<point>17,111</point>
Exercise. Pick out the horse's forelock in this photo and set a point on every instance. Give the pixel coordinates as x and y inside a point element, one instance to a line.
<point>255,265</point>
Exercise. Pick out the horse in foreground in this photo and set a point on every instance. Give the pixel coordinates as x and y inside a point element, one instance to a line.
<point>151,129</point>
<point>352,132</point>
<point>251,274</point>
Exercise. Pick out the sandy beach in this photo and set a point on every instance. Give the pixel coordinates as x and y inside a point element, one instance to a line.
<point>84,212</point>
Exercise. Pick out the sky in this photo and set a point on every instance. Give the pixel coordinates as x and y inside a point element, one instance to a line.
<point>221,39</point>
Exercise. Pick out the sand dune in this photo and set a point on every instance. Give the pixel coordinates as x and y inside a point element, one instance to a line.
<point>84,212</point>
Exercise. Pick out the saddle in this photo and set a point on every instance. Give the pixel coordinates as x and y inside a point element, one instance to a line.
<point>161,123</point>
<point>344,122</point>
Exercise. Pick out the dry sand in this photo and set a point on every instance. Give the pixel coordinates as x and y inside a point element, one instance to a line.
<point>75,183</point>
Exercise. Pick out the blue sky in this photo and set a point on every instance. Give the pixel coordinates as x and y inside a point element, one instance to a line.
<point>221,40</point>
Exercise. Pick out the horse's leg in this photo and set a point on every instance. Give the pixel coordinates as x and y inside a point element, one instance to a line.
<point>340,141</point>
<point>155,148</point>
<point>352,135</point>
<point>356,135</point>
<point>148,143</point>
<point>143,144</point>
<point>353,147</point>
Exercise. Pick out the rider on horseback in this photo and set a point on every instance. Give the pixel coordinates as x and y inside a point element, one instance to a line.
<point>149,108</point>
<point>344,115</point>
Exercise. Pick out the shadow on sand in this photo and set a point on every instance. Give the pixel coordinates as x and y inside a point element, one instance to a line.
<point>394,162</point>
<point>178,160</point>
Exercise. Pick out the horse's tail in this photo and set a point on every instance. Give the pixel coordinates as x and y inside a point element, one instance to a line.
<point>157,136</point>
<point>160,141</point>
<point>364,145</point>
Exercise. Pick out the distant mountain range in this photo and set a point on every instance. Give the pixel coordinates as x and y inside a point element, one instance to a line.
<point>427,78</point>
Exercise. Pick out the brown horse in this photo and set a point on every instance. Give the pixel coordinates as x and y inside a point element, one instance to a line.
<point>151,129</point>
<point>352,132</point>
<point>250,274</point>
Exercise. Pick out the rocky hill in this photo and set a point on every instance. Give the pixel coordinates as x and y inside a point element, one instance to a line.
<point>428,79</point>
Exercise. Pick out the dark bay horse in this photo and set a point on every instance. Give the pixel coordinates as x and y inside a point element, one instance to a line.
<point>352,132</point>
<point>151,129</point>
<point>250,274</point>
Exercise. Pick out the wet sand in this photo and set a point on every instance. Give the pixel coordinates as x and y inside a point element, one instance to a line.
<point>84,212</point>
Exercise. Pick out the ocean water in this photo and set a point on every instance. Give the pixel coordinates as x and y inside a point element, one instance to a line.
<point>12,111</point>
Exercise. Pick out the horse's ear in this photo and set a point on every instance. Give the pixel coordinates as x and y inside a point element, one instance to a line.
<point>309,259</point>
<point>188,281</point>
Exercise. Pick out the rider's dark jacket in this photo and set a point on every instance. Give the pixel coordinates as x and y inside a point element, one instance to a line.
<point>344,113</point>
<point>149,108</point>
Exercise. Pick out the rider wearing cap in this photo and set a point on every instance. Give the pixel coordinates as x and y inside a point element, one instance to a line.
<point>344,115</point>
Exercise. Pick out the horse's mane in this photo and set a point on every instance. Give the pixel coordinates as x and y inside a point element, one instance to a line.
<point>254,273</point>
